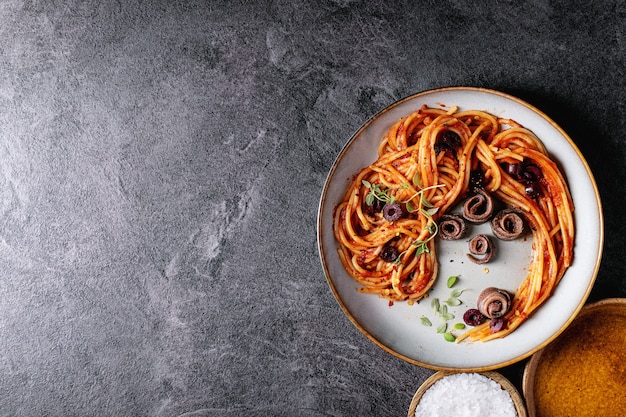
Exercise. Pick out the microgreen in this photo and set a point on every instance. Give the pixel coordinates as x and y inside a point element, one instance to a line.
<point>377,192</point>
<point>422,247</point>
<point>416,179</point>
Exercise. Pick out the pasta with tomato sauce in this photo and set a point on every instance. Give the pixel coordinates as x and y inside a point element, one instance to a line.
<point>387,223</point>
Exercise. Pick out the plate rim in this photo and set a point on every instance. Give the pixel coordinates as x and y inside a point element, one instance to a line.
<point>570,142</point>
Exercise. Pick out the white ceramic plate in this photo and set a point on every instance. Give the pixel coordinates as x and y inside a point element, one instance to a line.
<point>397,328</point>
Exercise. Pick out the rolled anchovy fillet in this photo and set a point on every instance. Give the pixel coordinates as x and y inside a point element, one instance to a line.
<point>452,227</point>
<point>494,303</point>
<point>508,224</point>
<point>481,245</point>
<point>479,208</point>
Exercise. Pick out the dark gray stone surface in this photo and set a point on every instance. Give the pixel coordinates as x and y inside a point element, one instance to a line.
<point>161,164</point>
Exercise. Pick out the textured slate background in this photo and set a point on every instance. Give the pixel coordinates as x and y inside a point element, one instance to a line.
<point>161,164</point>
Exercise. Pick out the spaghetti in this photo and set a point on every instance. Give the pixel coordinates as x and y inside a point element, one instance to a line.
<point>426,162</point>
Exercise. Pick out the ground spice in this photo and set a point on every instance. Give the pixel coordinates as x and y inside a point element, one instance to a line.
<point>583,373</point>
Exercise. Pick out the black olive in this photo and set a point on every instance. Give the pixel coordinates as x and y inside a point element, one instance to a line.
<point>376,207</point>
<point>451,139</point>
<point>528,174</point>
<point>473,317</point>
<point>477,179</point>
<point>496,324</point>
<point>412,138</point>
<point>448,140</point>
<point>532,189</point>
<point>392,212</point>
<point>389,253</point>
<point>527,177</point>
<point>532,172</point>
<point>438,148</point>
<point>513,170</point>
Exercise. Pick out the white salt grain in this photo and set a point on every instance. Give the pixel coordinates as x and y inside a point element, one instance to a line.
<point>466,395</point>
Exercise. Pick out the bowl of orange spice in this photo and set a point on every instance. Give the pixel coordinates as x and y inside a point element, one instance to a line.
<point>583,371</point>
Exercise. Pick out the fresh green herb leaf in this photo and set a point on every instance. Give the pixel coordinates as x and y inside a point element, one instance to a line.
<point>453,302</point>
<point>425,203</point>
<point>443,310</point>
<point>449,337</point>
<point>452,280</point>
<point>369,199</point>
<point>377,192</point>
<point>447,316</point>
<point>459,326</point>
<point>456,293</point>
<point>442,328</point>
<point>410,207</point>
<point>435,304</point>
<point>425,321</point>
<point>416,179</point>
<point>431,211</point>
<point>421,248</point>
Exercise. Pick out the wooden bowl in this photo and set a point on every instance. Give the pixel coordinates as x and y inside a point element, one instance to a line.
<point>582,371</point>
<point>518,402</point>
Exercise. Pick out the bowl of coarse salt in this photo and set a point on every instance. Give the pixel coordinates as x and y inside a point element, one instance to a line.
<point>467,394</point>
